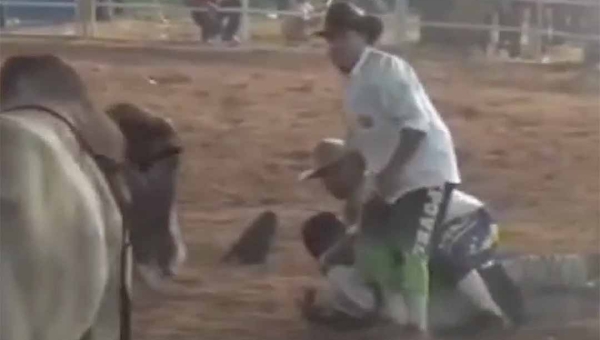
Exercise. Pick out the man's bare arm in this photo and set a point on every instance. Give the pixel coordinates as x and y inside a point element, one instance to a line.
<point>410,139</point>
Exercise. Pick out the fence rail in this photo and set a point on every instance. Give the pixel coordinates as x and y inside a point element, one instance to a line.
<point>85,11</point>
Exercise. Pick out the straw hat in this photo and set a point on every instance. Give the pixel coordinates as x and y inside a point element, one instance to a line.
<point>327,153</point>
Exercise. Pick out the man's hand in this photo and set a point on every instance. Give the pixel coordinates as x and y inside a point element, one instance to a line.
<point>385,183</point>
<point>369,188</point>
<point>324,262</point>
<point>340,252</point>
<point>374,213</point>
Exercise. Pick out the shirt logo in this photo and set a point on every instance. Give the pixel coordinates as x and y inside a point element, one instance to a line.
<point>429,215</point>
<point>365,121</point>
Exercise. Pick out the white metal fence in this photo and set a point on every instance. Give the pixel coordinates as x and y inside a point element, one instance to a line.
<point>86,25</point>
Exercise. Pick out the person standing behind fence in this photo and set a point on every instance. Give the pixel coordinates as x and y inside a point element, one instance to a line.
<point>295,28</point>
<point>205,16</point>
<point>230,20</point>
<point>411,166</point>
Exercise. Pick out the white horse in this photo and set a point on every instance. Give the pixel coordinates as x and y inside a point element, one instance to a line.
<point>70,189</point>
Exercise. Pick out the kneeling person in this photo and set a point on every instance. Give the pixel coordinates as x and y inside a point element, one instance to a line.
<point>462,257</point>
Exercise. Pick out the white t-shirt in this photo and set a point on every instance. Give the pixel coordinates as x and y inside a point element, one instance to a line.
<point>384,96</point>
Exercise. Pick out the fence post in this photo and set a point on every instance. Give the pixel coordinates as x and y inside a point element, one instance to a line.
<point>245,31</point>
<point>93,8</point>
<point>494,34</point>
<point>81,17</point>
<point>401,35</point>
<point>539,29</point>
<point>86,11</point>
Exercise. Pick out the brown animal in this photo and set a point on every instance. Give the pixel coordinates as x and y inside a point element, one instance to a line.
<point>147,135</point>
<point>153,151</point>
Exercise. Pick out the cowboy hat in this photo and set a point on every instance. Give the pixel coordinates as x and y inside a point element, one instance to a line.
<point>343,16</point>
<point>327,153</point>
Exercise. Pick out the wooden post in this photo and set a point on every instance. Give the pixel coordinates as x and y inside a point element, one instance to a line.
<point>245,29</point>
<point>86,12</point>
<point>539,29</point>
<point>92,22</point>
<point>402,17</point>
<point>82,17</point>
<point>491,49</point>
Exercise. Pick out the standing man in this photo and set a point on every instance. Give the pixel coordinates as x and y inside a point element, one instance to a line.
<point>411,166</point>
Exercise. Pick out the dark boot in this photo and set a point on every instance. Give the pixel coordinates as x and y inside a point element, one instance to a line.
<point>506,293</point>
<point>233,20</point>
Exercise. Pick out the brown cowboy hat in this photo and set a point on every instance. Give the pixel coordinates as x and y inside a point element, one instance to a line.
<point>327,153</point>
<point>343,16</point>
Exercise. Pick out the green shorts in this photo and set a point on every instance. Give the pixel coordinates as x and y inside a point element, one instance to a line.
<point>393,246</point>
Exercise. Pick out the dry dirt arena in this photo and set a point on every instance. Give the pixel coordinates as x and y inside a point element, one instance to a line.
<point>527,138</point>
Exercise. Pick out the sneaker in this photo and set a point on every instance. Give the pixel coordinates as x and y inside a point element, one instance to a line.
<point>234,41</point>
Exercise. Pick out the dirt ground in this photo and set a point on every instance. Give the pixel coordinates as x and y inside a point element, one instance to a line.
<point>527,137</point>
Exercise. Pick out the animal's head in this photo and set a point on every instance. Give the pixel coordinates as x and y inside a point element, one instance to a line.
<point>153,153</point>
<point>26,77</point>
<point>50,82</point>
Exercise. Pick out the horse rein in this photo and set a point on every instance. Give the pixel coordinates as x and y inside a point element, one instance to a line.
<point>145,164</point>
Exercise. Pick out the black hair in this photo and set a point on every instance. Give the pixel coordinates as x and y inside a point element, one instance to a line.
<point>343,15</point>
<point>320,232</point>
<point>372,28</point>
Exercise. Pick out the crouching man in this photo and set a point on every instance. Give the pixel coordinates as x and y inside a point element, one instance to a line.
<point>463,256</point>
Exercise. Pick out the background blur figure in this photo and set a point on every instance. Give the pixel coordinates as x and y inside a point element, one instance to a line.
<point>296,28</point>
<point>2,16</point>
<point>229,22</point>
<point>207,19</point>
<point>283,5</point>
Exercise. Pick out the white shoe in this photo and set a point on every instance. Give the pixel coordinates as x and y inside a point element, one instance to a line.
<point>235,41</point>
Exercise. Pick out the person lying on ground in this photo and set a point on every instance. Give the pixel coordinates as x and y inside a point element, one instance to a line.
<point>462,251</point>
